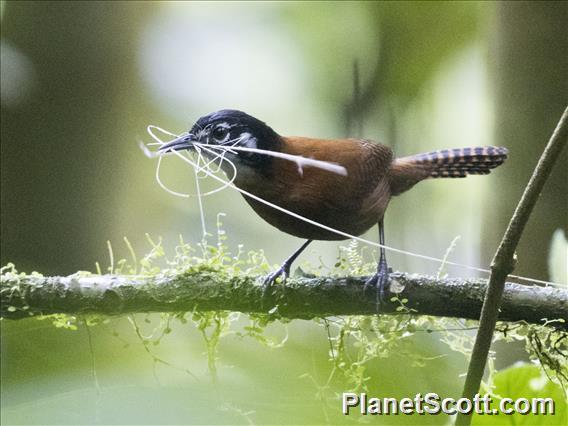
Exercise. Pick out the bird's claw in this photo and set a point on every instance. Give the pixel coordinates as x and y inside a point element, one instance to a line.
<point>379,282</point>
<point>271,278</point>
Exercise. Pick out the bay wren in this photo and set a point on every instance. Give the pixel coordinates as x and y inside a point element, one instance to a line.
<point>351,203</point>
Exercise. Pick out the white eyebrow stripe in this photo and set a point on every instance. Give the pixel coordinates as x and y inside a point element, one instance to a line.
<point>249,140</point>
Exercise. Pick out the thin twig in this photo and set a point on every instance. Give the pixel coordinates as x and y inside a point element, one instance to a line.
<point>504,262</point>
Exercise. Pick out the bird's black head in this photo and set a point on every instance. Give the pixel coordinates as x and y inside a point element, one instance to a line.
<point>231,128</point>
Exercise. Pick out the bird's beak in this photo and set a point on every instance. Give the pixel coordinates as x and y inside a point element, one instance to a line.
<point>178,144</point>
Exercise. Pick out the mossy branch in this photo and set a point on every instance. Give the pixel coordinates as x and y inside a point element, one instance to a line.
<point>208,289</point>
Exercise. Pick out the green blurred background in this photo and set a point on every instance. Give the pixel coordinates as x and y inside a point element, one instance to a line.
<point>80,83</point>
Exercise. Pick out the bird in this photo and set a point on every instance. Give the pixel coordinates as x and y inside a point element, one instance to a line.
<point>351,202</point>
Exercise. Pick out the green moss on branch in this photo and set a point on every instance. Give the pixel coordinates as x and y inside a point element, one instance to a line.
<point>211,289</point>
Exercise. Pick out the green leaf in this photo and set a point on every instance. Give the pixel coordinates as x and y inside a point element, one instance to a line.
<point>525,381</point>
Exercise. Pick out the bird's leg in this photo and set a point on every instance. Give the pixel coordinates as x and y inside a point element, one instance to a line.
<point>284,270</point>
<point>381,278</point>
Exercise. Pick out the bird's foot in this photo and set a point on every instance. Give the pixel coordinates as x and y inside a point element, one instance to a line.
<point>379,282</point>
<point>283,272</point>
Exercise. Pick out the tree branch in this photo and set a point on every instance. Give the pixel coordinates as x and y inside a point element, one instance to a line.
<point>207,290</point>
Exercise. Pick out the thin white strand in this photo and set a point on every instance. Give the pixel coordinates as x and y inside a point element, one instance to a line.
<point>227,149</point>
<point>232,142</point>
<point>164,187</point>
<point>200,203</point>
<point>146,151</point>
<point>226,184</point>
<point>220,157</point>
<point>201,161</point>
<point>298,159</point>
<point>198,168</point>
<point>209,162</point>
<point>150,129</point>
<point>205,168</point>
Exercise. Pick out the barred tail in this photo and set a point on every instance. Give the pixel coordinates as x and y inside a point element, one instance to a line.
<point>450,163</point>
<point>460,162</point>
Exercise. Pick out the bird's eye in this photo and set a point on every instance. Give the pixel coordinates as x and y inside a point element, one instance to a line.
<point>220,134</point>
